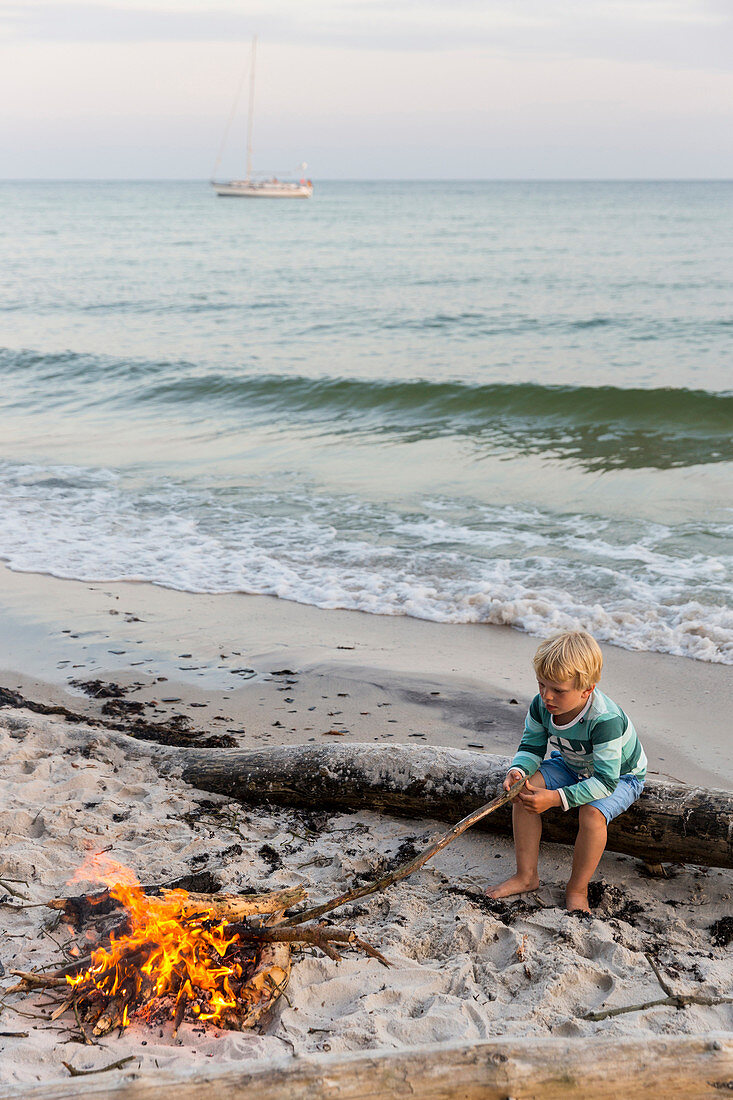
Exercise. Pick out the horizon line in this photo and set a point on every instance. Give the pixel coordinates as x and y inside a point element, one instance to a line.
<point>383,179</point>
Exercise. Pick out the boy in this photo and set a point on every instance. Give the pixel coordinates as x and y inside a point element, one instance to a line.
<point>597,763</point>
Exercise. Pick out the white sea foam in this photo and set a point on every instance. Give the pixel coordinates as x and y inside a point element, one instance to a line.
<point>637,584</point>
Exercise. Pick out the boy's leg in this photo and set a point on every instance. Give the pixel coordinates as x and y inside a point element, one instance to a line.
<point>589,847</point>
<point>527,832</point>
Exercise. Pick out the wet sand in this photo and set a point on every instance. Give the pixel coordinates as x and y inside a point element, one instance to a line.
<point>265,671</point>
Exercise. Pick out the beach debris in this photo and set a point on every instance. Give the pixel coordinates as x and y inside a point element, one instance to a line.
<point>654,870</point>
<point>176,730</point>
<point>122,707</point>
<point>102,1069</point>
<point>721,931</point>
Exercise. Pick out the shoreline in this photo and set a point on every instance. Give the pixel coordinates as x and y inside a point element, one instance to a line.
<point>211,658</point>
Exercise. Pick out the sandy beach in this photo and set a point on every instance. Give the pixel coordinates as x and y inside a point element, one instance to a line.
<point>463,968</point>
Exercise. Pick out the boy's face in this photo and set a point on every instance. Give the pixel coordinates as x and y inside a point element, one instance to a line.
<point>563,700</point>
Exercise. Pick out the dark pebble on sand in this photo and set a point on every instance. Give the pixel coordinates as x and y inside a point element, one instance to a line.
<point>171,699</point>
<point>473,745</point>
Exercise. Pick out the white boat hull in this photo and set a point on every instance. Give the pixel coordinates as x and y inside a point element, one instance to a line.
<point>243,189</point>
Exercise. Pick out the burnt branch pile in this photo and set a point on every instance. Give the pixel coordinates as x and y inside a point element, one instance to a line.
<point>176,956</point>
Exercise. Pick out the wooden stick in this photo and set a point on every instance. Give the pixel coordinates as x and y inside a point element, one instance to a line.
<point>414,864</point>
<point>103,1069</point>
<point>217,906</point>
<point>320,935</point>
<point>181,1003</point>
<point>677,1000</point>
<point>29,980</point>
<point>233,907</point>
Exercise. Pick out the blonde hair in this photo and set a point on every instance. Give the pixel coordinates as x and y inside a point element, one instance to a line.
<point>572,655</point>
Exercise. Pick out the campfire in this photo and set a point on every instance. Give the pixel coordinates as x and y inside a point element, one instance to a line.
<point>169,955</point>
<point>170,959</point>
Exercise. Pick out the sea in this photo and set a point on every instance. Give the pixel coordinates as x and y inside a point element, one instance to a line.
<point>492,402</point>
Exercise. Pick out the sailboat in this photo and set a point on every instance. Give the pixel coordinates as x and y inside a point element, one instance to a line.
<point>251,188</point>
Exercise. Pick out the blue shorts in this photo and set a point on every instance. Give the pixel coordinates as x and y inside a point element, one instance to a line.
<point>556,773</point>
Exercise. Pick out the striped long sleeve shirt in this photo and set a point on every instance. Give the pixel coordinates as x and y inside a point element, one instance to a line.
<point>598,746</point>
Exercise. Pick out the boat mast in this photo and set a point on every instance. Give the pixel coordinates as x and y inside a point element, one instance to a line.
<point>250,115</point>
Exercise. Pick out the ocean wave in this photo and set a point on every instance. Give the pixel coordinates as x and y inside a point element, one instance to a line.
<point>598,427</point>
<point>637,584</point>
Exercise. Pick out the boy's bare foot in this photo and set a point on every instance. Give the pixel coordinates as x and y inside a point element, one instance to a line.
<point>576,900</point>
<point>517,884</point>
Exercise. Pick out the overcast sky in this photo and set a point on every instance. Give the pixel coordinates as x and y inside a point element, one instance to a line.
<point>494,89</point>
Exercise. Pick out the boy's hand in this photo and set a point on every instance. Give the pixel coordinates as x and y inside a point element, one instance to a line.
<point>536,800</point>
<point>512,776</point>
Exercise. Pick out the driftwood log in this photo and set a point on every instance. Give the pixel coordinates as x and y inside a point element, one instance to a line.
<point>692,1068</point>
<point>670,823</point>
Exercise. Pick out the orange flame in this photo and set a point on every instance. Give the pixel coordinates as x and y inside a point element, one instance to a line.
<point>163,953</point>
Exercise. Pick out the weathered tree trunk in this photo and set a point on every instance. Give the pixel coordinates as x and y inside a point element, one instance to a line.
<point>693,1068</point>
<point>669,823</point>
